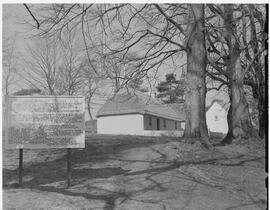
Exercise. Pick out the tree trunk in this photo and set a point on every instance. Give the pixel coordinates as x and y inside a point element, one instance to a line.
<point>239,122</point>
<point>195,125</point>
<point>229,137</point>
<point>258,63</point>
<point>258,92</point>
<point>89,108</point>
<point>238,118</point>
<point>262,111</point>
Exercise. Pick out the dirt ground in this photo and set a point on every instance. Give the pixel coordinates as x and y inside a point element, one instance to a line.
<point>137,173</point>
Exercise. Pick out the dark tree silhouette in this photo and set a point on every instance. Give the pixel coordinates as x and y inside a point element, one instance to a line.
<point>171,90</point>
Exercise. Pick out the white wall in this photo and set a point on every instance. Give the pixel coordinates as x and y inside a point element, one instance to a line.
<point>183,124</point>
<point>216,119</point>
<point>121,124</point>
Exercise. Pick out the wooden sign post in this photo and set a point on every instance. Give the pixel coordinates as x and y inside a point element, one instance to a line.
<point>20,167</point>
<point>68,167</point>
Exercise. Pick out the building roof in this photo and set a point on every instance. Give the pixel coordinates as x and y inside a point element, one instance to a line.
<point>131,102</point>
<point>223,104</point>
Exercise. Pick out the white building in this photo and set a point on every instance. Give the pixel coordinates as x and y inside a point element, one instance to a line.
<point>136,113</point>
<point>216,117</point>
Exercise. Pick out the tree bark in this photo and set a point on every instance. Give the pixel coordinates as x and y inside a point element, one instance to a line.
<point>239,122</point>
<point>258,64</point>
<point>229,137</point>
<point>262,111</point>
<point>258,91</point>
<point>195,125</point>
<point>89,107</point>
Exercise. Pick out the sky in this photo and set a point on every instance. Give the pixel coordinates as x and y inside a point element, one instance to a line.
<point>14,16</point>
<point>14,30</point>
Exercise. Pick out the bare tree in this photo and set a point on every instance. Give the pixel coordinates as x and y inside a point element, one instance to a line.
<point>92,85</point>
<point>241,124</point>
<point>231,48</point>
<point>55,67</point>
<point>196,67</point>
<point>117,69</point>
<point>10,65</point>
<point>254,36</point>
<point>161,34</point>
<point>42,66</point>
<point>138,84</point>
<point>71,64</point>
<point>126,28</point>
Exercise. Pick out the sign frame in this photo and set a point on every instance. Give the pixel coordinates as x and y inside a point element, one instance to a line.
<point>8,102</point>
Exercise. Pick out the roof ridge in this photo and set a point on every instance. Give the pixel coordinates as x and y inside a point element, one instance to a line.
<point>125,103</point>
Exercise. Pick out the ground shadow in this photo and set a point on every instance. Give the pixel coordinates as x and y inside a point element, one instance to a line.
<point>99,148</point>
<point>46,173</point>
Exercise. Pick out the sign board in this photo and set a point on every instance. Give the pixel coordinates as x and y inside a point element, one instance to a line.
<point>45,122</point>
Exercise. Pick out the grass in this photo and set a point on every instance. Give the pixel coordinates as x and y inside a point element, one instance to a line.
<point>137,172</point>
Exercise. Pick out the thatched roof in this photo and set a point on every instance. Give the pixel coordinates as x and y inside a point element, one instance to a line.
<point>132,102</point>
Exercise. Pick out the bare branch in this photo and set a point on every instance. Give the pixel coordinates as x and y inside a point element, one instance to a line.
<point>28,9</point>
<point>178,26</point>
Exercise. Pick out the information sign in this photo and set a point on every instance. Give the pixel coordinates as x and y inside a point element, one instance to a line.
<point>45,122</point>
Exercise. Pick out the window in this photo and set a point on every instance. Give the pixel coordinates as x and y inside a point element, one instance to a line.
<point>150,121</point>
<point>216,118</point>
<point>164,123</point>
<point>175,123</point>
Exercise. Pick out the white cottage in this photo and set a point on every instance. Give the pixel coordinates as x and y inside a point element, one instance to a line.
<point>216,117</point>
<point>136,113</point>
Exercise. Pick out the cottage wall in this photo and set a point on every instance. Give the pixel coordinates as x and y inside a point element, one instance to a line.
<point>216,118</point>
<point>121,124</point>
<point>147,125</point>
<point>150,123</point>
